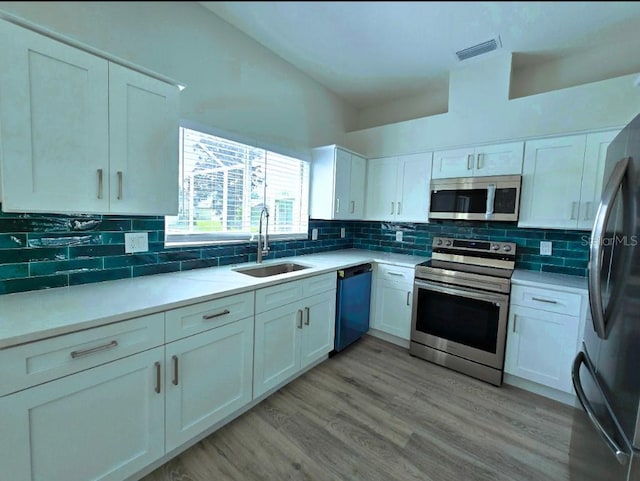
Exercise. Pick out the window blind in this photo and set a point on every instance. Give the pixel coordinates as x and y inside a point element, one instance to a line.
<point>224,186</point>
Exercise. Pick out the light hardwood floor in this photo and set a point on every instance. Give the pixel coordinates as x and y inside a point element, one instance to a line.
<point>373,412</point>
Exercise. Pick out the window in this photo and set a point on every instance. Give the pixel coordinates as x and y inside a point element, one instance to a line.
<point>225,185</point>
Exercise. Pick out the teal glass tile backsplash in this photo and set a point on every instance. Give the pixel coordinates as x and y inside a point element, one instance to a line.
<point>39,251</point>
<point>570,253</point>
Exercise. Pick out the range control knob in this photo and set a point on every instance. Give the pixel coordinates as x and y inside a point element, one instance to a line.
<point>439,242</point>
<point>507,248</point>
<point>447,243</point>
<point>495,247</point>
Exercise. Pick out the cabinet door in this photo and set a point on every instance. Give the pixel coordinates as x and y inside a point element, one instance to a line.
<point>143,128</point>
<point>54,121</point>
<point>358,178</point>
<point>277,346</point>
<point>453,163</point>
<point>342,185</point>
<point>592,176</point>
<point>392,312</point>
<point>102,424</point>
<point>414,177</point>
<point>541,346</point>
<point>381,189</point>
<point>208,377</point>
<point>551,182</point>
<point>501,159</point>
<point>318,331</point>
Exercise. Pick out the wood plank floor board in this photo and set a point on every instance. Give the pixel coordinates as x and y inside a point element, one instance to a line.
<point>375,413</point>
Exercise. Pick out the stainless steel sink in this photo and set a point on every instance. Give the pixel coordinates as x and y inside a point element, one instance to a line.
<point>271,269</point>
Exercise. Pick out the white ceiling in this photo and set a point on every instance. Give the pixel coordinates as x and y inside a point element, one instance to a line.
<point>372,52</point>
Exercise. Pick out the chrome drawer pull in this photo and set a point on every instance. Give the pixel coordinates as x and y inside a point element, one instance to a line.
<point>408,298</point>
<point>86,352</point>
<point>219,314</point>
<point>544,300</point>
<point>397,274</point>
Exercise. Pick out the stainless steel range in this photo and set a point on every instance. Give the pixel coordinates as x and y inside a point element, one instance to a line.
<point>461,303</point>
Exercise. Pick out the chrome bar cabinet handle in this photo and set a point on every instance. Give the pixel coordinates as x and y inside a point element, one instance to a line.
<point>175,370</point>
<point>548,301</point>
<point>300,318</point>
<point>119,174</point>
<point>158,377</point>
<point>307,315</point>
<point>217,314</point>
<point>86,352</point>
<point>99,183</point>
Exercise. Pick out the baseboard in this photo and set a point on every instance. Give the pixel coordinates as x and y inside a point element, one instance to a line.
<point>398,341</point>
<point>548,392</point>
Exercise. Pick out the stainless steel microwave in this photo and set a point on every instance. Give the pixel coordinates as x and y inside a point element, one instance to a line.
<point>494,198</point>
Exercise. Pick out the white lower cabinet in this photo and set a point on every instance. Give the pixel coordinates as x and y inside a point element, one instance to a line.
<point>392,300</point>
<point>544,331</point>
<point>208,377</point>
<point>102,424</point>
<point>105,403</point>
<point>541,346</point>
<point>291,337</point>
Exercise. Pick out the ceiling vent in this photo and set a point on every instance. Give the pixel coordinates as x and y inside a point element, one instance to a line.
<point>481,48</point>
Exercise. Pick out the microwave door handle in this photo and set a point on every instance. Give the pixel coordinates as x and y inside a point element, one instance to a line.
<point>621,456</point>
<point>491,199</point>
<point>595,250</point>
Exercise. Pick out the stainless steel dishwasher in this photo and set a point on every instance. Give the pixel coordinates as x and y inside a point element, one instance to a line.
<point>352,305</point>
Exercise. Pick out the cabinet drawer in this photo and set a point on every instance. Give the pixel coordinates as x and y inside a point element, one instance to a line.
<point>279,295</point>
<point>188,320</point>
<point>546,300</point>
<point>393,273</point>
<point>38,362</point>
<point>318,284</point>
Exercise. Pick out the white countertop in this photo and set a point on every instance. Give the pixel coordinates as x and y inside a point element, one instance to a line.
<point>550,280</point>
<point>35,315</point>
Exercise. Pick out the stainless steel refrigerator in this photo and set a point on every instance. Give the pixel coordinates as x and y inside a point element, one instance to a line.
<point>605,438</point>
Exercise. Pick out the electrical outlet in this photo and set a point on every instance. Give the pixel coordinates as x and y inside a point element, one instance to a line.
<point>314,234</point>
<point>545,248</point>
<point>136,242</point>
<point>399,236</point>
<point>343,232</point>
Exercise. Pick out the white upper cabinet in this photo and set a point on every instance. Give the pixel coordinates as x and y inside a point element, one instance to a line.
<point>593,176</point>
<point>398,188</point>
<point>82,134</point>
<point>562,181</point>
<point>487,160</point>
<point>337,184</point>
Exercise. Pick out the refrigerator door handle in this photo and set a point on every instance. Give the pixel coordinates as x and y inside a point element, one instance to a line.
<point>621,456</point>
<point>595,250</point>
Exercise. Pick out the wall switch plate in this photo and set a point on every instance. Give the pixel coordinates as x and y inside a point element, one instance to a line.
<point>399,236</point>
<point>343,232</point>
<point>314,234</point>
<point>545,248</point>
<point>136,242</point>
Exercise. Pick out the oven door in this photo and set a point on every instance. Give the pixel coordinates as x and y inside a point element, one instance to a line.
<point>465,322</point>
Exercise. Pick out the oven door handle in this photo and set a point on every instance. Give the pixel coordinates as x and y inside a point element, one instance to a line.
<point>496,298</point>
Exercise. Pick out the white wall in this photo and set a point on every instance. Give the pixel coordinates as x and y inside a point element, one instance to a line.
<point>480,112</point>
<point>233,83</point>
<point>434,100</point>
